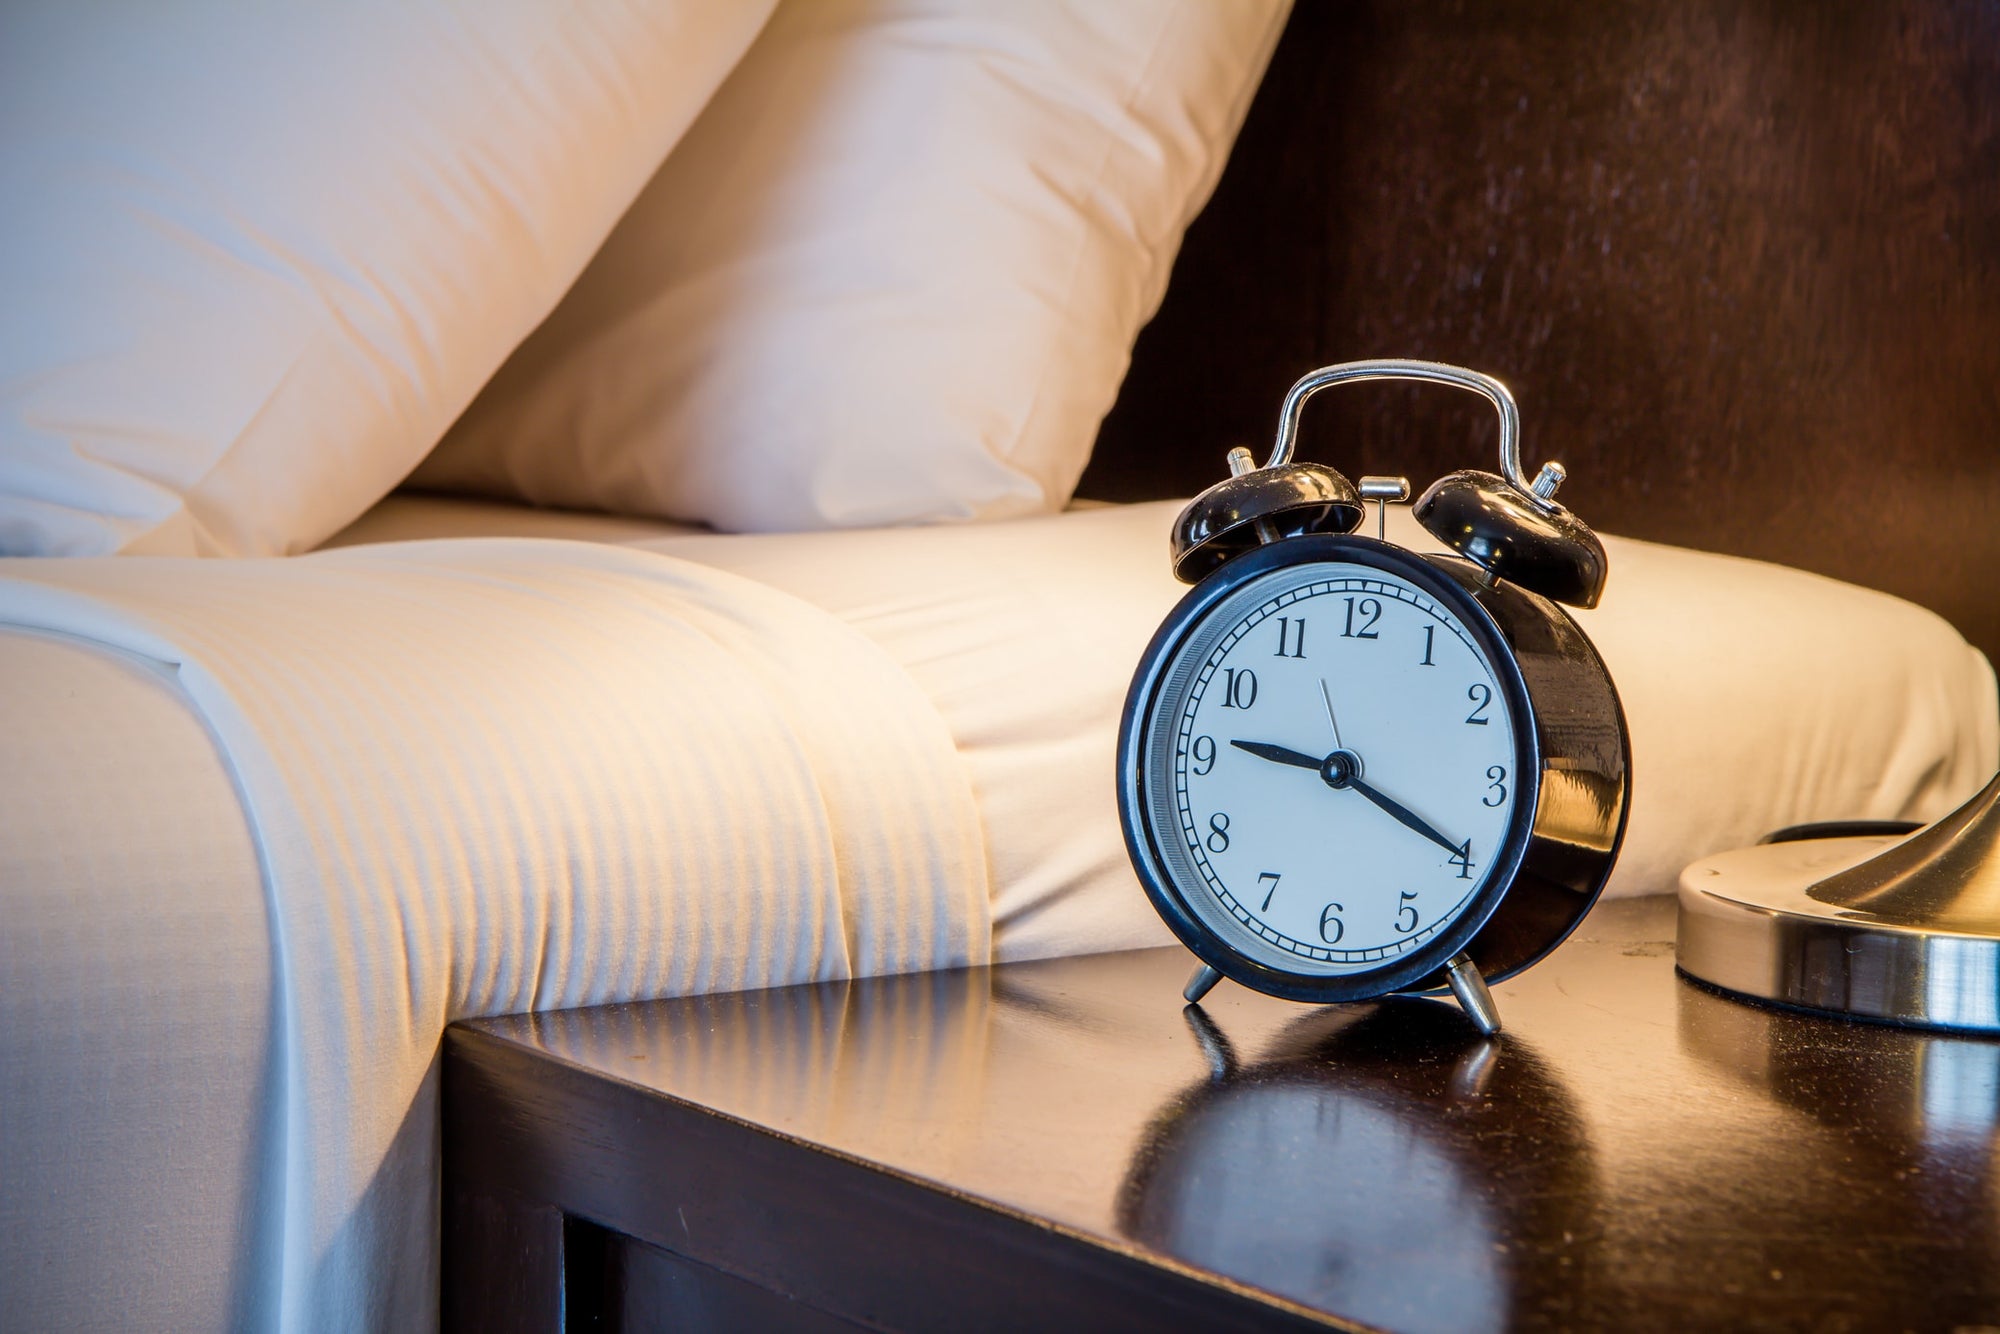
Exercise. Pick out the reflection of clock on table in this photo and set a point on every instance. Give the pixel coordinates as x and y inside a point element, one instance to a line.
<point>1365,1129</point>
<point>1043,1145</point>
<point>1347,769</point>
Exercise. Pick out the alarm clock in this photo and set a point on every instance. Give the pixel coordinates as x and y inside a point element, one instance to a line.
<point>1348,769</point>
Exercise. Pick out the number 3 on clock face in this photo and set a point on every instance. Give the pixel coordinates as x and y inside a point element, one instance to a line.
<point>1337,769</point>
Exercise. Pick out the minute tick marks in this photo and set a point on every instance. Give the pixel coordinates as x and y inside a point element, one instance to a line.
<point>1377,725</point>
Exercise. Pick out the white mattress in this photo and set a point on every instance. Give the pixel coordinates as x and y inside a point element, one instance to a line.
<point>143,1177</point>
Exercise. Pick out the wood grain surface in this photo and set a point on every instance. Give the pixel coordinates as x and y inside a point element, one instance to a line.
<point>1739,259</point>
<point>1060,1144</point>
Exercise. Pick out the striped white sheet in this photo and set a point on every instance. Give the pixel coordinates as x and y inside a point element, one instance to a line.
<point>498,775</point>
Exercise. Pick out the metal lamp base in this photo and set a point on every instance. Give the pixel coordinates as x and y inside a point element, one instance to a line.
<point>1902,930</point>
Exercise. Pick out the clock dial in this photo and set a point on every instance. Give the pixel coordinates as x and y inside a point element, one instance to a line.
<point>1331,764</point>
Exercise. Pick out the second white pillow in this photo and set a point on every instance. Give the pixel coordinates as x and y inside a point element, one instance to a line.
<point>892,275</point>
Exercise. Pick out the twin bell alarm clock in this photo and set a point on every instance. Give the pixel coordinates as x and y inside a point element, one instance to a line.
<point>1348,769</point>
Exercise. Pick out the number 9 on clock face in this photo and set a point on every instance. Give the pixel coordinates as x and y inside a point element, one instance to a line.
<point>1332,769</point>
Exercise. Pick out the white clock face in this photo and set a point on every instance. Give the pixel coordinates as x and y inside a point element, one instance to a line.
<point>1330,768</point>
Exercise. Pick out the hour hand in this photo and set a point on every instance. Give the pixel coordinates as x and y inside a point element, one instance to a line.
<point>1263,750</point>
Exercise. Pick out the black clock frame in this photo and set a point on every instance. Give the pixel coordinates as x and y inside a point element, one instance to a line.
<point>1570,734</point>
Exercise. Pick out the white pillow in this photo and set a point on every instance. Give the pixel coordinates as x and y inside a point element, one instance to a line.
<point>929,232</point>
<point>256,258</point>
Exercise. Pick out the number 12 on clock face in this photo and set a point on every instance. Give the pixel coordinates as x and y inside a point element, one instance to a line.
<point>1332,759</point>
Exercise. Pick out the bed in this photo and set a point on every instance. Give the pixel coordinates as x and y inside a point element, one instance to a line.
<point>271,823</point>
<point>272,849</point>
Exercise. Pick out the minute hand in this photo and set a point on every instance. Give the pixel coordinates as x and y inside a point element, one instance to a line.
<point>1402,813</point>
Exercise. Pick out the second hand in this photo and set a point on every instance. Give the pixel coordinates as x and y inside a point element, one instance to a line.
<point>1326,698</point>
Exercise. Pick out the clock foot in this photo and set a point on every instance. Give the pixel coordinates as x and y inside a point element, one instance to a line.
<point>1473,997</point>
<point>1200,984</point>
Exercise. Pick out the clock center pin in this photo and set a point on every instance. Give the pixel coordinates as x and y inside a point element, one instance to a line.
<point>1340,768</point>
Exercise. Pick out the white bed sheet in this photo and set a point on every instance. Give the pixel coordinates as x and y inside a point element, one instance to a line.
<point>136,974</point>
<point>415,516</point>
<point>481,776</point>
<point>135,979</point>
<point>1757,696</point>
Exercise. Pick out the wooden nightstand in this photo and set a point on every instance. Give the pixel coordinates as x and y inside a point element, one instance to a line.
<point>1059,1145</point>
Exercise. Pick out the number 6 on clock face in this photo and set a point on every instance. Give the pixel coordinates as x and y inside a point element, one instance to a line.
<point>1334,768</point>
<point>1345,763</point>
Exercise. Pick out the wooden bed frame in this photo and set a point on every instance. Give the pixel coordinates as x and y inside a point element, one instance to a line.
<point>1740,263</point>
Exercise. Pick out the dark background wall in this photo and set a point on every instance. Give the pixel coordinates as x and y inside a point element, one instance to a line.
<point>1740,263</point>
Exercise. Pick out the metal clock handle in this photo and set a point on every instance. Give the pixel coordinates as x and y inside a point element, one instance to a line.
<point>1541,491</point>
<point>1507,526</point>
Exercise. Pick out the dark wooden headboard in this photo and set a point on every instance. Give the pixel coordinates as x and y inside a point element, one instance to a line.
<point>1739,260</point>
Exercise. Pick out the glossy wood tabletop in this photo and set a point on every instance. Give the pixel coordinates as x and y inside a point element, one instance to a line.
<point>1633,1151</point>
